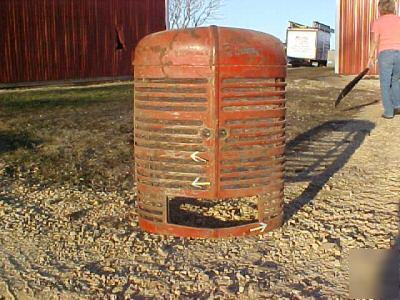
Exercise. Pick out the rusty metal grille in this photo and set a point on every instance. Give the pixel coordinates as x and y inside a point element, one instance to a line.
<point>272,205</point>
<point>209,123</point>
<point>164,137</point>
<point>151,207</point>
<point>252,150</point>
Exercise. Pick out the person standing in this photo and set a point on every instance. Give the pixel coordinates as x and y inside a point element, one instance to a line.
<point>386,42</point>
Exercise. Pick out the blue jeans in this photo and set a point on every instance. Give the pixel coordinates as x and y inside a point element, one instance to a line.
<point>389,73</point>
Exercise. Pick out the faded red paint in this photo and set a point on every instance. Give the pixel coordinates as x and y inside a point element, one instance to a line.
<point>45,40</point>
<point>217,94</point>
<point>354,20</point>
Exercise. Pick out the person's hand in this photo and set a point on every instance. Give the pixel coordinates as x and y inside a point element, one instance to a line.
<point>371,62</point>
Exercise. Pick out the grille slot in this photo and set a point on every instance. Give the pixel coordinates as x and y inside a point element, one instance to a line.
<point>257,129</point>
<point>167,159</point>
<point>164,139</point>
<point>172,80</point>
<point>171,89</point>
<point>166,130</point>
<point>151,207</point>
<point>169,122</point>
<point>260,183</point>
<point>170,99</point>
<point>258,106</point>
<point>171,184</point>
<point>264,164</point>
<point>252,145</point>
<point>257,82</point>
<point>255,137</point>
<point>254,122</point>
<point>170,167</point>
<point>251,161</point>
<point>170,146</point>
<point>156,137</point>
<point>170,108</point>
<point>165,175</point>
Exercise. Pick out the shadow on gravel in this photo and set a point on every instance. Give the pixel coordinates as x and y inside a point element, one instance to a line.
<point>12,141</point>
<point>357,107</point>
<point>11,201</point>
<point>316,155</point>
<point>179,216</point>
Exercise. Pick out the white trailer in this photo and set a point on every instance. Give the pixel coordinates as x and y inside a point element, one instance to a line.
<point>308,45</point>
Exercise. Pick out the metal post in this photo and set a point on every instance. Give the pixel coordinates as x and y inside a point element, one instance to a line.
<point>337,37</point>
<point>167,24</point>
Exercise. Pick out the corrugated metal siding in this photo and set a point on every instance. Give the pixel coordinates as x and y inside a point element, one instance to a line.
<point>44,40</point>
<point>354,19</point>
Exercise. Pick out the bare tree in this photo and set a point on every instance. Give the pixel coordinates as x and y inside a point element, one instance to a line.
<point>191,13</point>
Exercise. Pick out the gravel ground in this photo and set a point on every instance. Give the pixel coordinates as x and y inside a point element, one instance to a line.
<point>76,241</point>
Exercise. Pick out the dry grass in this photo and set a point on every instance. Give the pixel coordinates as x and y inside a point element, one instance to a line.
<point>79,137</point>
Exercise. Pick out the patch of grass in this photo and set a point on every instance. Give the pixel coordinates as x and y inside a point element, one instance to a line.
<point>78,137</point>
<point>64,97</point>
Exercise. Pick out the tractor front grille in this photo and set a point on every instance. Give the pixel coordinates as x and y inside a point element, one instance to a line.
<point>165,137</point>
<point>251,154</point>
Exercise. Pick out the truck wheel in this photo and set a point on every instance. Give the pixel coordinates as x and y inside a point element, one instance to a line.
<point>322,63</point>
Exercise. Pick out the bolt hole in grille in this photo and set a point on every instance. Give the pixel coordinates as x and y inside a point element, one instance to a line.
<point>163,141</point>
<point>255,142</point>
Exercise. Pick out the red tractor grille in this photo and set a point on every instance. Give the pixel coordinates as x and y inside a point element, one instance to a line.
<point>209,122</point>
<point>252,150</point>
<point>163,141</point>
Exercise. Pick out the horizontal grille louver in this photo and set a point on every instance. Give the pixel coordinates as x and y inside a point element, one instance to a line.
<point>164,144</point>
<point>253,148</point>
<point>151,207</point>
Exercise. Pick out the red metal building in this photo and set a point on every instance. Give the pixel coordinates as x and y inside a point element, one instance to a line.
<point>354,18</point>
<point>47,40</point>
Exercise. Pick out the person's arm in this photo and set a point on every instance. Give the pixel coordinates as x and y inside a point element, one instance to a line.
<point>374,46</point>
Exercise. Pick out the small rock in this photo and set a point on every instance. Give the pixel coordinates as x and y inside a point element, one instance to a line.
<point>328,246</point>
<point>162,252</point>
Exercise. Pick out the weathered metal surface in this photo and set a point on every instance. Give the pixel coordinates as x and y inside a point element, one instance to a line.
<point>354,19</point>
<point>44,40</point>
<point>209,119</point>
<point>193,232</point>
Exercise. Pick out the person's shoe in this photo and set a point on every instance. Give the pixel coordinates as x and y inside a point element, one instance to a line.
<point>397,111</point>
<point>387,117</point>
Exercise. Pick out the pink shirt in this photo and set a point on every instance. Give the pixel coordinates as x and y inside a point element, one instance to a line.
<point>388,29</point>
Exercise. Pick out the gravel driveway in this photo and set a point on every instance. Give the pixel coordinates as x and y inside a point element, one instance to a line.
<point>62,237</point>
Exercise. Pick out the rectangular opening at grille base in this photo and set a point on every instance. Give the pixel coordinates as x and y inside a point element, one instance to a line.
<point>212,214</point>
